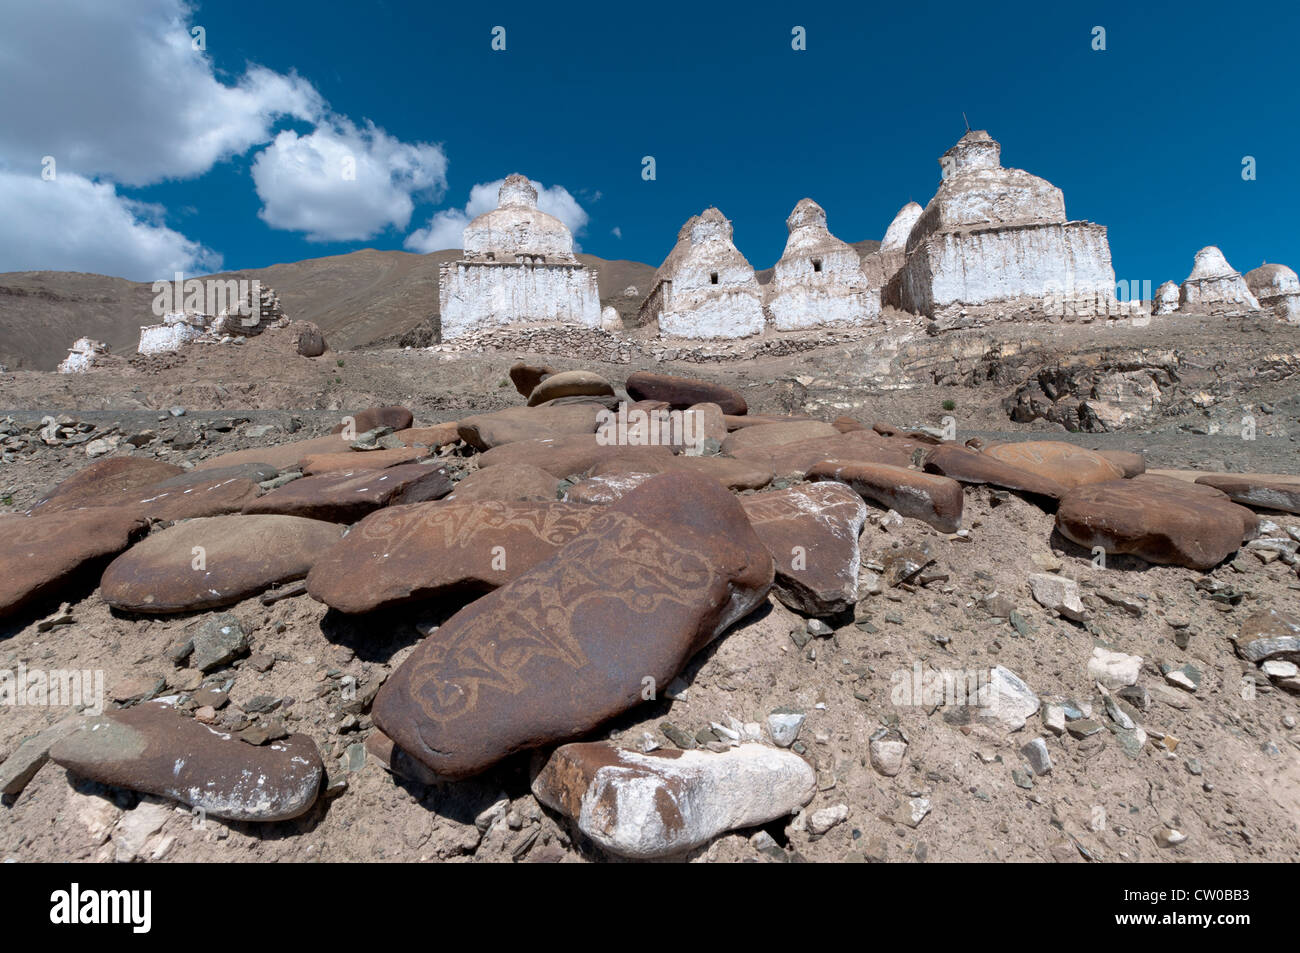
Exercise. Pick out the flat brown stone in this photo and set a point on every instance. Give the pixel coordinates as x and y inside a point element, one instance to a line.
<point>409,553</point>
<point>562,456</point>
<point>199,495</point>
<point>606,488</point>
<point>105,480</point>
<point>860,446</point>
<point>1066,464</point>
<point>812,533</point>
<point>740,422</point>
<point>153,749</point>
<point>932,499</point>
<point>1131,463</point>
<point>439,435</point>
<point>971,466</point>
<point>775,435</point>
<point>1265,491</point>
<point>398,418</point>
<point>570,384</point>
<point>348,495</point>
<point>485,431</point>
<point>578,638</point>
<point>283,456</point>
<point>1269,634</point>
<point>682,392</point>
<point>1249,521</point>
<point>733,474</point>
<point>317,463</point>
<point>1153,519</point>
<point>218,561</point>
<point>521,482</point>
<point>39,553</point>
<point>527,376</point>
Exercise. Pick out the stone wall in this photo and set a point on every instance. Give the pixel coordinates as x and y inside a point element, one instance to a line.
<point>479,294</point>
<point>1044,270</point>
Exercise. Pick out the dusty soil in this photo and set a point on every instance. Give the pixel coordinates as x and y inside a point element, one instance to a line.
<point>1232,783</point>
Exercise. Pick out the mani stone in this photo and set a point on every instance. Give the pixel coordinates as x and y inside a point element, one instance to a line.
<point>705,288</point>
<point>152,749</point>
<point>396,418</point>
<point>774,435</point>
<point>932,499</point>
<point>38,554</point>
<point>408,553</point>
<point>103,481</point>
<point>349,495</point>
<point>861,446</point>
<point>970,466</point>
<point>667,802</point>
<point>1267,491</point>
<point>683,392</point>
<point>733,474</point>
<point>1269,634</point>
<point>812,533</point>
<point>518,267</point>
<point>570,384</point>
<point>317,463</point>
<point>606,488</point>
<point>485,431</point>
<point>285,456</point>
<point>819,278</point>
<point>438,435</point>
<point>1153,519</point>
<point>218,561</point>
<point>1063,463</point>
<point>562,456</point>
<point>578,638</point>
<point>517,482</point>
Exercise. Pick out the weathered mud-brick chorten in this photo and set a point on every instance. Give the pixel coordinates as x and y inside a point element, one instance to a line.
<point>819,279</point>
<point>705,288</point>
<point>994,243</point>
<point>518,267</point>
<point>1276,288</point>
<point>1214,286</point>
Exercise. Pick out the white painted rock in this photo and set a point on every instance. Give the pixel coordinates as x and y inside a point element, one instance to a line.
<point>1008,701</point>
<point>1058,593</point>
<point>667,802</point>
<point>1114,669</point>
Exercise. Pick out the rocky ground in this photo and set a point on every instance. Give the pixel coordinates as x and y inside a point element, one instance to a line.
<point>1198,760</point>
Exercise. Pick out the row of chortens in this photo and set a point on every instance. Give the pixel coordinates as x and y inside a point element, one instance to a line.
<point>993,243</point>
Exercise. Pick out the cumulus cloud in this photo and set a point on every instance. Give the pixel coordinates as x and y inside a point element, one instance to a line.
<point>116,90</point>
<point>117,95</point>
<point>72,222</point>
<point>341,183</point>
<point>445,228</point>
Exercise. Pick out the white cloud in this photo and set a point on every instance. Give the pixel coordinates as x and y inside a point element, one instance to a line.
<point>445,228</point>
<point>117,95</point>
<point>74,224</point>
<point>616,232</point>
<point>341,183</point>
<point>115,90</point>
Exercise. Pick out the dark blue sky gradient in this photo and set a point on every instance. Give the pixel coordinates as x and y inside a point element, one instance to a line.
<point>1147,137</point>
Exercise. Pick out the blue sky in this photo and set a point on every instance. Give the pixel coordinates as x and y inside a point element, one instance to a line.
<point>1146,137</point>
